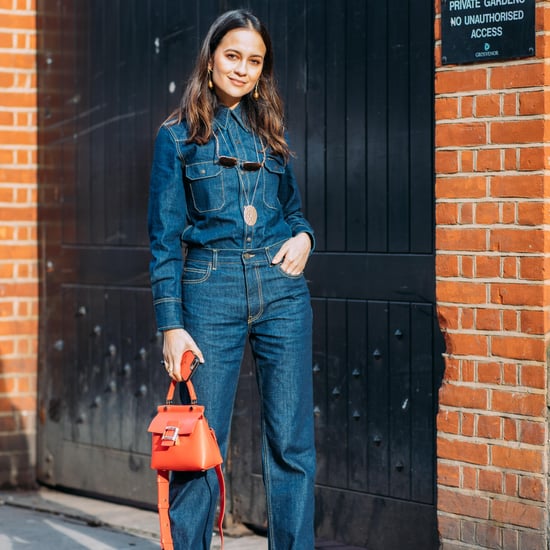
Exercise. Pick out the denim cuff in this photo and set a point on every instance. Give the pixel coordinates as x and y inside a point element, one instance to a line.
<point>168,313</point>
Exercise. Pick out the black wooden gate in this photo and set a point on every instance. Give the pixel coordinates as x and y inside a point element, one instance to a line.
<point>357,78</point>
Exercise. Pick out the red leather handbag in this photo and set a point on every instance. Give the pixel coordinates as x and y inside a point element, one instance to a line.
<point>182,441</point>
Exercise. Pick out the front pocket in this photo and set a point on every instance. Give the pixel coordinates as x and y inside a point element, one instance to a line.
<point>288,275</point>
<point>195,271</point>
<point>206,184</point>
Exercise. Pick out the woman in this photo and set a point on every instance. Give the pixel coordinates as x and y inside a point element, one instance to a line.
<point>222,184</point>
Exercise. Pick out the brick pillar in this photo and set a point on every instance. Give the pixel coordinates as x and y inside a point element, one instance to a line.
<point>18,243</point>
<point>492,205</point>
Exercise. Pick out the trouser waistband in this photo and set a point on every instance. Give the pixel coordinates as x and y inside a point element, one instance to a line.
<point>234,255</point>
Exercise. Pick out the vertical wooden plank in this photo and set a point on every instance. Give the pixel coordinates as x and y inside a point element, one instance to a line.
<point>291,64</point>
<point>106,399</point>
<point>158,109</point>
<point>99,138</point>
<point>377,132</point>
<point>423,410</point>
<point>421,99</point>
<point>118,230</point>
<point>207,11</point>
<point>357,391</point>
<point>111,129</point>
<point>68,170</point>
<point>400,401</point>
<point>336,442</point>
<point>356,191</point>
<point>315,121</point>
<point>179,46</point>
<point>64,376</point>
<point>88,361</point>
<point>378,398</point>
<point>336,127</point>
<point>144,98</point>
<point>124,408</point>
<point>274,17</point>
<point>97,346</point>
<point>79,188</point>
<point>133,73</point>
<point>398,128</point>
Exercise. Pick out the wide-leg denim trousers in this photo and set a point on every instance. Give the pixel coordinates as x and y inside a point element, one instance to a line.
<point>229,296</point>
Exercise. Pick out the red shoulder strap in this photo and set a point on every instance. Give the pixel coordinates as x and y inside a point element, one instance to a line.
<point>221,485</point>
<point>163,485</point>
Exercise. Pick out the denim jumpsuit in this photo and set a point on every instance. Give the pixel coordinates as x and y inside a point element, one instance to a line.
<point>225,292</point>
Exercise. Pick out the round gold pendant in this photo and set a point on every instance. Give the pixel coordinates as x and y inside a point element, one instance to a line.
<point>250,215</point>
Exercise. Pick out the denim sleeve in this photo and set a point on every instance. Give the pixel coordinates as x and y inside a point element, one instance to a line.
<point>289,197</point>
<point>166,221</point>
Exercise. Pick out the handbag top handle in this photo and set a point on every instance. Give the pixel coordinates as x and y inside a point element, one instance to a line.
<point>172,389</point>
<point>189,362</point>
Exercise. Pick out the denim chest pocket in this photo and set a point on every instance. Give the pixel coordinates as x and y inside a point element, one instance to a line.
<point>274,169</point>
<point>206,185</point>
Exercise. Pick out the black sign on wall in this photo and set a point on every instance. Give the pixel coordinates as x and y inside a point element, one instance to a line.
<point>486,30</point>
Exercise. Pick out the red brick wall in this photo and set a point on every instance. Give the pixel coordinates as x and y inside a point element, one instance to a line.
<point>492,264</point>
<point>18,243</point>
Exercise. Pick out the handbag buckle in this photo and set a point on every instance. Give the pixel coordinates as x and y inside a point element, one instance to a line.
<point>170,433</point>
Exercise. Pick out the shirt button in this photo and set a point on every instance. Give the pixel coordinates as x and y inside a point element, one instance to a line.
<point>249,239</point>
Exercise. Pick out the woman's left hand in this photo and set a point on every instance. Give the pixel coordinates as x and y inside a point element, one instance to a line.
<point>294,253</point>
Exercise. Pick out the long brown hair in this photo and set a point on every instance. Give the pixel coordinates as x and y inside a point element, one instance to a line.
<point>198,104</point>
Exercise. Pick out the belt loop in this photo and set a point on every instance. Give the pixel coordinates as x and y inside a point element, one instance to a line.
<point>214,259</point>
<point>269,253</point>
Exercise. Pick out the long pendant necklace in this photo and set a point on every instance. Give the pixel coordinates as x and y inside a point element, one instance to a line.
<point>250,214</point>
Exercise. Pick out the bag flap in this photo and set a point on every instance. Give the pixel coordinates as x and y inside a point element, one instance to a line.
<point>182,417</point>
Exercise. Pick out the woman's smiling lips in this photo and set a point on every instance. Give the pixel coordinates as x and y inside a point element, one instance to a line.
<point>237,82</point>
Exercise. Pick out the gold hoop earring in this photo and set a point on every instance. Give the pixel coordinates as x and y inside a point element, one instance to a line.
<point>256,94</point>
<point>210,83</point>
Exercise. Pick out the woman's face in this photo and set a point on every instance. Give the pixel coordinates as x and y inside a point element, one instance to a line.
<point>237,65</point>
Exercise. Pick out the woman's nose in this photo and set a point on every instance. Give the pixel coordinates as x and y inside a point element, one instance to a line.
<point>240,68</point>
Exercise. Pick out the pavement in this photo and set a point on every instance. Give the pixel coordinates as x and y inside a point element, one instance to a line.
<point>54,520</point>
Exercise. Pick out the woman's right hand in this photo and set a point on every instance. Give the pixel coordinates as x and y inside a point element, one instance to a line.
<point>176,342</point>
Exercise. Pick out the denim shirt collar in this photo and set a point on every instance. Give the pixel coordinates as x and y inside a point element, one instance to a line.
<point>223,117</point>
